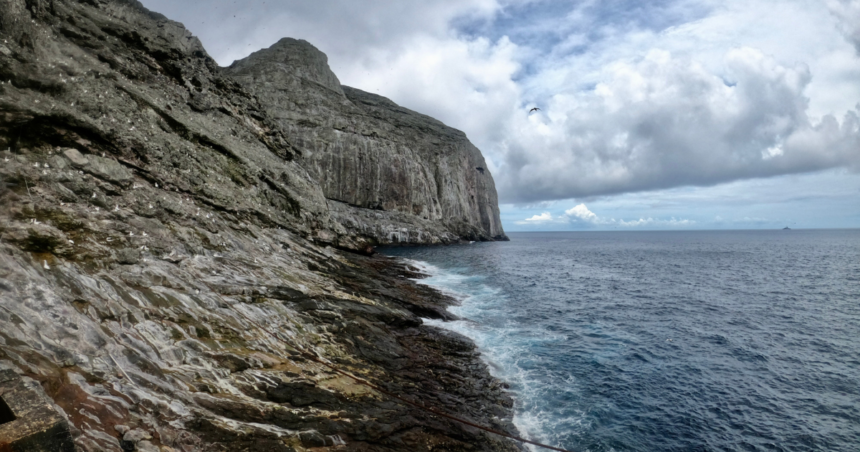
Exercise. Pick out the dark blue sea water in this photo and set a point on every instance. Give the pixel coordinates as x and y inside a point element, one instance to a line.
<point>667,341</point>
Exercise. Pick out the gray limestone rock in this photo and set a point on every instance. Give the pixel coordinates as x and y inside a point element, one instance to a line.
<point>128,256</point>
<point>370,153</point>
<point>75,157</point>
<point>176,251</point>
<point>109,170</point>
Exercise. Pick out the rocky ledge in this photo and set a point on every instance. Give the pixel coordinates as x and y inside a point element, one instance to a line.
<point>175,262</point>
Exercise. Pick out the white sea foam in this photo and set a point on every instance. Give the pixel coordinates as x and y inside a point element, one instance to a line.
<point>652,341</point>
<point>502,346</point>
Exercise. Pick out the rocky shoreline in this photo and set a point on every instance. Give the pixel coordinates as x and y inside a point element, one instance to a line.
<point>180,366</point>
<point>170,245</point>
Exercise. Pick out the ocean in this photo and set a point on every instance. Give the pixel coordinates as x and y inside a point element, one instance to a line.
<point>666,341</point>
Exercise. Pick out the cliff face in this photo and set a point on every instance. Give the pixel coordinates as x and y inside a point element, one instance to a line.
<point>369,153</point>
<point>168,248</point>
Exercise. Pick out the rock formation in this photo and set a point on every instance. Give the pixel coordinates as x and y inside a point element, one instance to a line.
<point>171,245</point>
<point>369,153</point>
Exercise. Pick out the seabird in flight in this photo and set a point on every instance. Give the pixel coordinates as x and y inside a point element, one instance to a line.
<point>534,109</point>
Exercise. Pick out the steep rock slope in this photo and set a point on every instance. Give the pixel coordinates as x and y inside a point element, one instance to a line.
<point>368,152</point>
<point>166,261</point>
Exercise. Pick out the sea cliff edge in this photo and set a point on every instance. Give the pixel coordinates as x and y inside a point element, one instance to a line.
<point>181,244</point>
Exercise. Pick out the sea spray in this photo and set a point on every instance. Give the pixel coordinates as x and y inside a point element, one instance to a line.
<point>505,346</point>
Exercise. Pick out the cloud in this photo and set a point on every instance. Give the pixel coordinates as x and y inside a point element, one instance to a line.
<point>545,217</point>
<point>662,121</point>
<point>580,216</point>
<point>406,50</point>
<point>825,199</point>
<point>635,96</point>
<point>848,14</point>
<point>581,212</point>
<point>467,82</point>
<point>346,30</point>
<point>651,222</point>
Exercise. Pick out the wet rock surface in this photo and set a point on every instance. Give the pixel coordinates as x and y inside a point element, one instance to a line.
<point>168,250</point>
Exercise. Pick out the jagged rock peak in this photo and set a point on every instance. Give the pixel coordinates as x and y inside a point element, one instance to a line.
<point>424,180</point>
<point>294,56</point>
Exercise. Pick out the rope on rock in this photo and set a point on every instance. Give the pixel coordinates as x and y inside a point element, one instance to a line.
<point>315,358</point>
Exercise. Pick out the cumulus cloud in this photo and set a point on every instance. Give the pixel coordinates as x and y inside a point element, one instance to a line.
<point>663,121</point>
<point>581,216</point>
<point>581,212</point>
<point>545,217</point>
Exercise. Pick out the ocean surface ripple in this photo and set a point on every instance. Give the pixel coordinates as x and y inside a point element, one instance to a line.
<point>666,341</point>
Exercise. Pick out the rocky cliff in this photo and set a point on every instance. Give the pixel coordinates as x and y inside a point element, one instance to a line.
<point>369,153</point>
<point>171,273</point>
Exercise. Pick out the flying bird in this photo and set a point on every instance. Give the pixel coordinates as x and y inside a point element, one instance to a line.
<point>534,109</point>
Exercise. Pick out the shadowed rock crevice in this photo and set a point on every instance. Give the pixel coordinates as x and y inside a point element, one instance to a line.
<point>6,414</point>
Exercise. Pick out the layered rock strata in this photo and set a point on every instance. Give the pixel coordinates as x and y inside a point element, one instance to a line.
<point>157,223</point>
<point>369,153</point>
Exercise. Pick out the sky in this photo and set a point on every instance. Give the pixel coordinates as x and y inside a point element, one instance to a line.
<point>661,114</point>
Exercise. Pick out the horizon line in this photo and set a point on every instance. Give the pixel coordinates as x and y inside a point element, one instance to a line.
<point>692,230</point>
